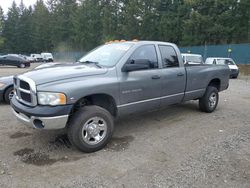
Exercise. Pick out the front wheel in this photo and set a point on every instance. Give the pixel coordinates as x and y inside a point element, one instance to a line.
<point>8,95</point>
<point>91,128</point>
<point>209,101</point>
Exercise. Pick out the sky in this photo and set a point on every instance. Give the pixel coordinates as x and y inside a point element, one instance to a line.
<point>5,4</point>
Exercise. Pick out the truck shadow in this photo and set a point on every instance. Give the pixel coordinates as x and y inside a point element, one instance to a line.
<point>167,114</point>
<point>55,146</point>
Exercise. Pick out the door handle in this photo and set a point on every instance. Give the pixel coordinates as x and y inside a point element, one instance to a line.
<point>180,74</point>
<point>156,77</point>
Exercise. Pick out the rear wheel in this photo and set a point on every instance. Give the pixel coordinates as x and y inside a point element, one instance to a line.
<point>8,95</point>
<point>209,101</point>
<point>22,65</point>
<point>90,128</point>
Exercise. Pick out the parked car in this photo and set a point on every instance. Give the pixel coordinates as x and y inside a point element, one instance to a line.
<point>30,59</point>
<point>111,81</point>
<point>37,57</point>
<point>6,89</point>
<point>47,57</point>
<point>14,60</point>
<point>193,59</point>
<point>6,85</point>
<point>225,61</point>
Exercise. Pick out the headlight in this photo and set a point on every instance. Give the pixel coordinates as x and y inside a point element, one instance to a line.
<point>48,98</point>
<point>2,85</point>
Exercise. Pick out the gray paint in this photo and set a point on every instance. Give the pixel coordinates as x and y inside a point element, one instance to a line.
<point>133,91</point>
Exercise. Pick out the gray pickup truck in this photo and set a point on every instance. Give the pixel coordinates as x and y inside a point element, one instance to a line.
<point>113,80</point>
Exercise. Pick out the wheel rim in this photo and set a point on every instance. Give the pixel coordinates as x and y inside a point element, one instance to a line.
<point>11,94</point>
<point>94,130</point>
<point>212,100</point>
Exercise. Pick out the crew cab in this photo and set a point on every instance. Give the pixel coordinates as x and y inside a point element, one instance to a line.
<point>113,80</point>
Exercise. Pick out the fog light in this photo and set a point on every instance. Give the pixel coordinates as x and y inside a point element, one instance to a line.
<point>38,124</point>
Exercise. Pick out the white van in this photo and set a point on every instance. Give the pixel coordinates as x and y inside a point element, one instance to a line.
<point>225,61</point>
<point>48,57</point>
<point>192,59</point>
<point>37,57</point>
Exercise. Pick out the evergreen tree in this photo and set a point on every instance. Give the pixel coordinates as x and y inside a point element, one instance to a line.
<point>84,24</point>
<point>88,25</point>
<point>41,28</point>
<point>25,34</point>
<point>1,29</point>
<point>10,31</point>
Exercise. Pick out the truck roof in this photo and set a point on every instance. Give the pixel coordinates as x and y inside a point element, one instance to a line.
<point>144,42</point>
<point>219,58</point>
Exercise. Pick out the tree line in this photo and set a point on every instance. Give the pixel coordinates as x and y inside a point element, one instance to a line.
<point>57,25</point>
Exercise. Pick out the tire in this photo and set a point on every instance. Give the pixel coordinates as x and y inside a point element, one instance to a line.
<point>82,130</point>
<point>209,101</point>
<point>8,92</point>
<point>21,65</point>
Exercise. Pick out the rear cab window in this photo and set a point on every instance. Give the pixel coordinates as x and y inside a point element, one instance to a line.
<point>168,56</point>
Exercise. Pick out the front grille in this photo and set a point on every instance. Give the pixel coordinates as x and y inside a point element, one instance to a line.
<point>26,97</point>
<point>233,70</point>
<point>25,90</point>
<point>24,85</point>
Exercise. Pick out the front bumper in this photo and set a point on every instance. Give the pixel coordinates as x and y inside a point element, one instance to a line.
<point>41,117</point>
<point>234,73</point>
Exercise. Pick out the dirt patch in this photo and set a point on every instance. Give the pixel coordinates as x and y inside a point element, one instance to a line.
<point>244,69</point>
<point>23,152</point>
<point>61,141</point>
<point>19,135</point>
<point>29,156</point>
<point>119,143</point>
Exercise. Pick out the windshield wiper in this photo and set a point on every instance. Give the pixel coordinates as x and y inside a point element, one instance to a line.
<point>91,62</point>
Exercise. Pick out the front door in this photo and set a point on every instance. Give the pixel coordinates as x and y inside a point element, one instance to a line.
<point>141,90</point>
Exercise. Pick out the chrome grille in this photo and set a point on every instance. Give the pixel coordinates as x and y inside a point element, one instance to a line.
<point>25,90</point>
<point>233,70</point>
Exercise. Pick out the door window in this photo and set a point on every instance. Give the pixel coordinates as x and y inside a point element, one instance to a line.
<point>147,52</point>
<point>168,56</point>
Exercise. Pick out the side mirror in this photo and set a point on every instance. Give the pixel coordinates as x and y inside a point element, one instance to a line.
<point>138,64</point>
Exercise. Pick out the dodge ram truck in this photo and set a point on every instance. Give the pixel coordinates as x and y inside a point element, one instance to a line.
<point>111,81</point>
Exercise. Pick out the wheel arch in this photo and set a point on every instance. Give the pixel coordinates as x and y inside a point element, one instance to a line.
<point>216,82</point>
<point>5,90</point>
<point>103,100</point>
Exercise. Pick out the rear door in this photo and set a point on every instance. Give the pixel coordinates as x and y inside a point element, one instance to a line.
<point>13,61</point>
<point>140,90</point>
<point>173,76</point>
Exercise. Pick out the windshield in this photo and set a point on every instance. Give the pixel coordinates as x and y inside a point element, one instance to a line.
<point>107,55</point>
<point>225,62</point>
<point>194,59</point>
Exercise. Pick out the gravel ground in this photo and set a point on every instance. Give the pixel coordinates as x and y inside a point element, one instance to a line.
<point>176,147</point>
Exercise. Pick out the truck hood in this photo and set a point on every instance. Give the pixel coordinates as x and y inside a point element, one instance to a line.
<point>6,79</point>
<point>61,71</point>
